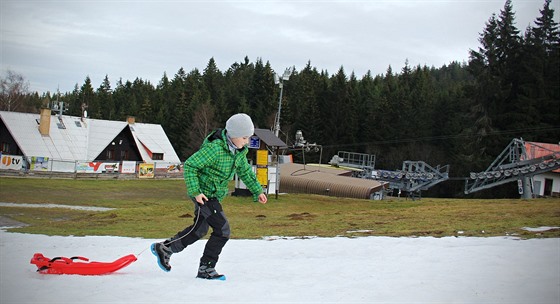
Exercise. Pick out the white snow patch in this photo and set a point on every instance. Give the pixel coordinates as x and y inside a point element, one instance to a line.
<point>359,231</point>
<point>539,229</point>
<point>277,237</point>
<point>84,208</point>
<point>316,270</point>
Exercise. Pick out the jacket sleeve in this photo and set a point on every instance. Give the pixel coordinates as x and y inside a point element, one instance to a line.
<point>193,166</point>
<point>246,174</point>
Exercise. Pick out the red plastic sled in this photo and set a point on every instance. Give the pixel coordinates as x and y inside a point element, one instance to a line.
<point>78,265</point>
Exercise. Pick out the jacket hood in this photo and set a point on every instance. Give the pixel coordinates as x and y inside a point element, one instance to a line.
<point>220,134</point>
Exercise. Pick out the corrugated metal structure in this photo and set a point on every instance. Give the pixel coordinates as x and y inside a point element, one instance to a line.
<point>312,179</point>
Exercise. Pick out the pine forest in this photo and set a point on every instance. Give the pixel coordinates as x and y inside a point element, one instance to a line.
<point>462,114</point>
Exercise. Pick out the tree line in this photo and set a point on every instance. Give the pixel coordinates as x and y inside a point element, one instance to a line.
<point>461,114</point>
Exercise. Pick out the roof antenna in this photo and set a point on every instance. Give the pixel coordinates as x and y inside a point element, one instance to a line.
<point>84,111</point>
<point>58,106</point>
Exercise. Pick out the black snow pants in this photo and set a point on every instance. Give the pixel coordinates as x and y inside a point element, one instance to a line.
<point>208,215</point>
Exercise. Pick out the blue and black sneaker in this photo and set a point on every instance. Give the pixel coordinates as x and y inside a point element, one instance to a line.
<point>163,254</point>
<point>208,272</point>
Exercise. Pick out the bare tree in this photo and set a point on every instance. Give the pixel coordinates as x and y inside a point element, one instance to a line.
<point>13,90</point>
<point>203,121</point>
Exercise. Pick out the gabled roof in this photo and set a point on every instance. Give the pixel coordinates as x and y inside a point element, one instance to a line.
<point>83,139</point>
<point>152,138</point>
<point>24,129</point>
<point>101,134</point>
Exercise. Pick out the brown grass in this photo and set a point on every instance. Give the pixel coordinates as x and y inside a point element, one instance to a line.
<point>160,208</point>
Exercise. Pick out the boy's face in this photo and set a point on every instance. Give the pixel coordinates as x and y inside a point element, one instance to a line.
<point>240,142</point>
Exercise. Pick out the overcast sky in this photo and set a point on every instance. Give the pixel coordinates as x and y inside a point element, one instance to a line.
<point>58,43</point>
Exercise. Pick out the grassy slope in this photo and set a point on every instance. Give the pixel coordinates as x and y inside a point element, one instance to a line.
<point>160,208</point>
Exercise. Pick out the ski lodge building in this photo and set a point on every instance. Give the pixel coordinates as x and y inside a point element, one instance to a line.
<point>60,143</point>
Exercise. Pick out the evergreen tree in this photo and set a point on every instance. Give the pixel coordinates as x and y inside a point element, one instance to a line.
<point>301,107</point>
<point>163,93</point>
<point>105,97</point>
<point>336,107</point>
<point>145,112</point>
<point>121,95</point>
<point>199,110</point>
<point>88,98</point>
<point>509,111</point>
<point>353,114</point>
<point>238,82</point>
<point>214,82</point>
<point>369,107</point>
<point>261,92</point>
<point>542,64</point>
<point>486,93</point>
<point>73,100</point>
<point>178,127</point>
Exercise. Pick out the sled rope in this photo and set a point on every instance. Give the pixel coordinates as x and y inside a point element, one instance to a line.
<point>142,251</point>
<point>193,226</point>
<point>172,241</point>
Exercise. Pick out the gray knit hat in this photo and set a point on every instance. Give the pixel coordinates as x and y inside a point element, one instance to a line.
<point>239,125</point>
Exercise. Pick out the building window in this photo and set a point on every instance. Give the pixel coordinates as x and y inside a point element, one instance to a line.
<point>110,154</point>
<point>5,148</point>
<point>124,155</point>
<point>157,156</point>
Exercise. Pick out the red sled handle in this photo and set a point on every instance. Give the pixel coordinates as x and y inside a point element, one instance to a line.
<point>79,258</point>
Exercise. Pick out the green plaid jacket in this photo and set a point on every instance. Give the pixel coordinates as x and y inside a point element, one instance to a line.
<point>210,169</point>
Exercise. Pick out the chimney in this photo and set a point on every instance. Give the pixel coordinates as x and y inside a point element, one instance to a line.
<point>45,121</point>
<point>131,120</point>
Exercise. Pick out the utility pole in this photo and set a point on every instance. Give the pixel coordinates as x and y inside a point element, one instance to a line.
<point>280,82</point>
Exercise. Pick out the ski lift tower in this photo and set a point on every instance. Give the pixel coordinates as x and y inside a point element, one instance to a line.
<point>414,177</point>
<point>514,164</point>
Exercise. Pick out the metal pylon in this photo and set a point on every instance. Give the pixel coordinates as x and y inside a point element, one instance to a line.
<point>513,164</point>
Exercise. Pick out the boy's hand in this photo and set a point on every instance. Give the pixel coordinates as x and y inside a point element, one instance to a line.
<point>201,198</point>
<point>262,198</point>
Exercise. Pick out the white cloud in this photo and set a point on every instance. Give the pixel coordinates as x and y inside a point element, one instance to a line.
<point>61,42</point>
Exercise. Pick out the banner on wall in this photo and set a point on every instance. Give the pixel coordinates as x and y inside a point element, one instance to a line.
<point>146,171</point>
<point>39,163</point>
<point>11,162</point>
<point>97,167</point>
<point>128,167</point>
<point>174,168</point>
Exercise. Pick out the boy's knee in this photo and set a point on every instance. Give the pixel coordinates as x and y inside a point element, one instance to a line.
<point>220,226</point>
<point>226,232</point>
<point>201,231</point>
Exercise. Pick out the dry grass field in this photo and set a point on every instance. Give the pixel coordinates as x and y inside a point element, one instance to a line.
<point>160,208</point>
